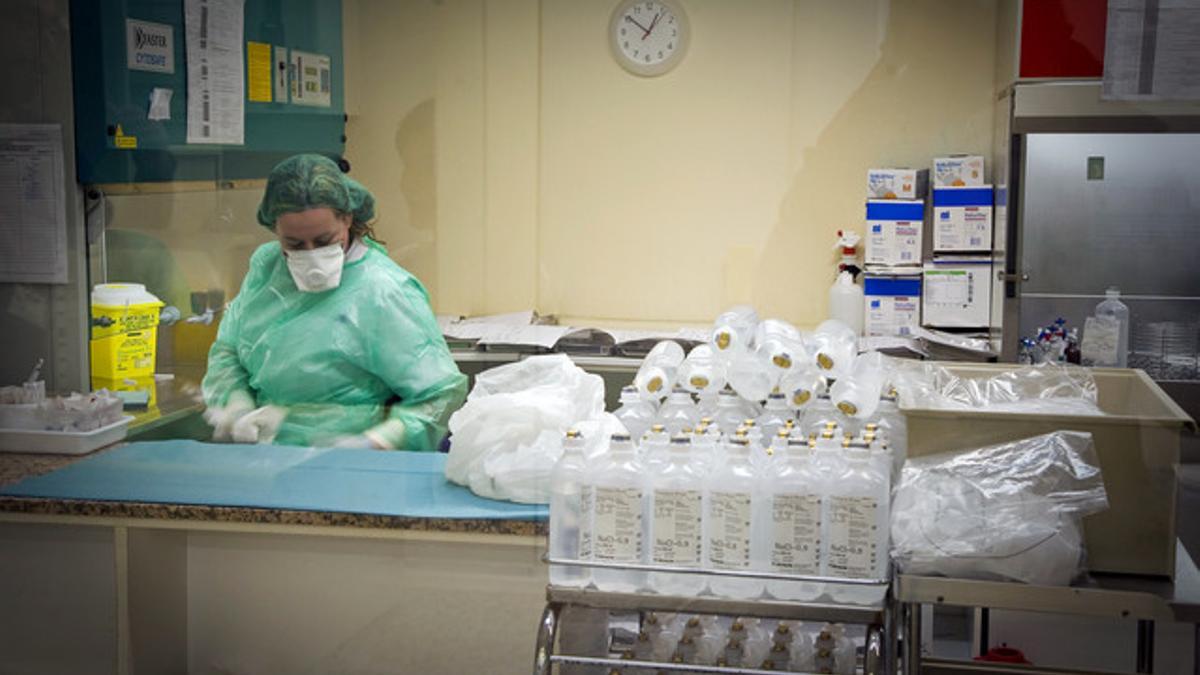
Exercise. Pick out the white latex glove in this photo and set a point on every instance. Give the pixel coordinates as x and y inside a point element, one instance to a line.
<point>259,426</point>
<point>222,419</point>
<point>365,440</point>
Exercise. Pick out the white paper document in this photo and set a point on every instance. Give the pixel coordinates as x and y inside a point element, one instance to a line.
<point>33,221</point>
<point>160,104</point>
<point>215,87</point>
<point>1152,50</point>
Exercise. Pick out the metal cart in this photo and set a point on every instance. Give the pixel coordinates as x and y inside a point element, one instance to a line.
<point>1108,596</point>
<point>880,650</point>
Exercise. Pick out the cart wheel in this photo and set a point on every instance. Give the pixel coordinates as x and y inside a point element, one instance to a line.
<point>873,653</point>
<point>547,628</point>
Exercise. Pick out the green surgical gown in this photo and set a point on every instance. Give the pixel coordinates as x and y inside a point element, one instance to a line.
<point>359,357</point>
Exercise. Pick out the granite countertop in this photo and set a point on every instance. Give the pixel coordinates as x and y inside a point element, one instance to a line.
<point>15,467</point>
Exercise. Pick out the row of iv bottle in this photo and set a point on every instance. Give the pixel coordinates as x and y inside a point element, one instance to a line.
<point>823,512</point>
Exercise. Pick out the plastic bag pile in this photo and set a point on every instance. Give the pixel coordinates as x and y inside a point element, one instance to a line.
<point>1009,511</point>
<point>1046,389</point>
<point>507,437</point>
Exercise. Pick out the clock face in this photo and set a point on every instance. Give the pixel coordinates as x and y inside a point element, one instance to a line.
<point>648,36</point>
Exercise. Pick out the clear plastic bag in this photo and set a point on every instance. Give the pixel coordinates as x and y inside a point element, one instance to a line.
<point>1009,511</point>
<point>1046,389</point>
<point>507,437</point>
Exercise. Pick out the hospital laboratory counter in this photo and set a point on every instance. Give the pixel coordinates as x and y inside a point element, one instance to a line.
<point>185,557</point>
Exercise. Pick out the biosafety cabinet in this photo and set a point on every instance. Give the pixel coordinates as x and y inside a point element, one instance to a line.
<point>1100,194</point>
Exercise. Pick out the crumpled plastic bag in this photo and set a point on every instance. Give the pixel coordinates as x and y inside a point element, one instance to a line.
<point>1047,389</point>
<point>1009,511</point>
<point>506,438</point>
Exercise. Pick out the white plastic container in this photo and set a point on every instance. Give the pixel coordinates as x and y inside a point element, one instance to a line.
<point>857,517</point>
<point>701,372</point>
<point>656,376</point>
<point>675,528</point>
<point>751,375</point>
<point>635,413</point>
<point>780,345</point>
<point>570,514</point>
<point>794,535</point>
<point>801,387</point>
<point>63,442</point>
<point>846,302</point>
<point>857,394</point>
<point>833,347</point>
<point>1112,308</point>
<point>733,331</point>
<point>678,412</point>
<point>775,415</point>
<point>619,515</point>
<point>732,515</point>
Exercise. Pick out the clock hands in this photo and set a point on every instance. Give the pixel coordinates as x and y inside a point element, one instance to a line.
<point>652,25</point>
<point>645,31</point>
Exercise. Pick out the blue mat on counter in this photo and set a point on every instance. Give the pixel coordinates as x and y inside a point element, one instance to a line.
<point>275,477</point>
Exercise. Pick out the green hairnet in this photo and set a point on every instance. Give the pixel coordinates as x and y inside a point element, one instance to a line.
<point>304,182</point>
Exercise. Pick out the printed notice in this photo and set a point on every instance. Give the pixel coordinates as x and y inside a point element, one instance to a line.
<point>1152,50</point>
<point>676,527</point>
<point>215,98</point>
<point>33,223</point>
<point>729,530</point>
<point>312,79</point>
<point>852,537</point>
<point>258,72</point>
<point>947,287</point>
<point>796,525</point>
<point>617,524</point>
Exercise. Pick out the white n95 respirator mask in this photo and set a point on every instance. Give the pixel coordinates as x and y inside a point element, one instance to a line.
<point>317,270</point>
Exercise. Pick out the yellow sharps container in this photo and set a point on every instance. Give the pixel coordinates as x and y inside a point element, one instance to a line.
<point>124,331</point>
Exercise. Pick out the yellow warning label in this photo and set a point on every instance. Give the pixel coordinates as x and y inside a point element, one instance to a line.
<point>258,72</point>
<point>124,142</point>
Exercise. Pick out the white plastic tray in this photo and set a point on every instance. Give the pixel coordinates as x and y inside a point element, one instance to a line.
<point>62,442</point>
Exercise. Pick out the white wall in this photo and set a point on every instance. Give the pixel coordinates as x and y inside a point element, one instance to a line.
<point>518,165</point>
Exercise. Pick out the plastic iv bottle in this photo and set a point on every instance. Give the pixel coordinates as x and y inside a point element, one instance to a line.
<point>731,505</point>
<point>846,302</point>
<point>752,376</point>
<point>676,536</point>
<point>678,412</point>
<point>818,416</point>
<point>801,386</point>
<point>892,429</point>
<point>701,371</point>
<point>857,526</point>
<point>729,412</point>
<point>775,414</point>
<point>796,497</point>
<point>1112,308</point>
<point>652,451</point>
<point>705,438</point>
<point>656,375</point>
<point>857,393</point>
<point>733,331</point>
<point>780,343</point>
<point>570,514</point>
<point>618,507</point>
<point>833,347</point>
<point>636,414</point>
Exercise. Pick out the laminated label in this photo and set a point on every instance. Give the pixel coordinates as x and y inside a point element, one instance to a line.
<point>729,530</point>
<point>676,527</point>
<point>853,537</point>
<point>796,530</point>
<point>617,524</point>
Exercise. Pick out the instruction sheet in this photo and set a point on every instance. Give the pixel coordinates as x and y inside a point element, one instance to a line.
<point>33,213</point>
<point>215,91</point>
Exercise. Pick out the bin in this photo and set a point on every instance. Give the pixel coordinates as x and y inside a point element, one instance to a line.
<point>124,331</point>
<point>1137,442</point>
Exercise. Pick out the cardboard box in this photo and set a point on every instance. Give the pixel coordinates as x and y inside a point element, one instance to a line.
<point>962,219</point>
<point>956,293</point>
<point>894,232</point>
<point>893,304</point>
<point>958,171</point>
<point>897,183</point>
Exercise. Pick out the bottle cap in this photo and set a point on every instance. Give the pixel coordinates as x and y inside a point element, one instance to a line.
<point>748,423</point>
<point>574,433</point>
<point>658,428</point>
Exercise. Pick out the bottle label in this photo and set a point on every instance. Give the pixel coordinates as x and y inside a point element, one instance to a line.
<point>585,524</point>
<point>796,534</point>
<point>853,537</point>
<point>729,530</point>
<point>617,526</point>
<point>676,527</point>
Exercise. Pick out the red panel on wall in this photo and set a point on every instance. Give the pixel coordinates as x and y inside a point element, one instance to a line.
<point>1063,38</point>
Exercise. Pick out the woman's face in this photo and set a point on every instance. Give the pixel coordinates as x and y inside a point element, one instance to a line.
<point>313,228</point>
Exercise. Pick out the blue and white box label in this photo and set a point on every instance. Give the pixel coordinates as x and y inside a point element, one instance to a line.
<point>962,219</point>
<point>894,232</point>
<point>893,305</point>
<point>149,46</point>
